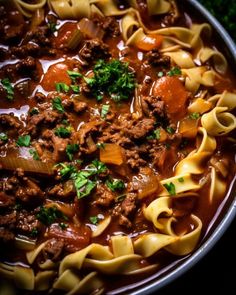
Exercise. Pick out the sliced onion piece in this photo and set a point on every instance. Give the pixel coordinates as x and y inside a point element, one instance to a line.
<point>90,29</point>
<point>28,165</point>
<point>24,243</point>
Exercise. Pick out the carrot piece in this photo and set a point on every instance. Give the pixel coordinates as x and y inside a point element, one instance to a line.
<point>173,93</point>
<point>188,127</point>
<point>111,154</point>
<point>149,42</point>
<point>56,73</point>
<point>64,34</point>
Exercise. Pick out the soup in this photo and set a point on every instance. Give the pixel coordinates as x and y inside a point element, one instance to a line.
<point>116,141</point>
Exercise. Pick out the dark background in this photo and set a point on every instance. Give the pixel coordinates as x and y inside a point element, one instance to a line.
<point>215,274</point>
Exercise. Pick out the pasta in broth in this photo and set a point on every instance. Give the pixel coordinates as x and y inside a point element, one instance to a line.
<point>117,122</point>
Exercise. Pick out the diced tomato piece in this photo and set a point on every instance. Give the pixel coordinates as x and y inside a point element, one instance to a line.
<point>149,42</point>
<point>64,34</point>
<point>172,92</point>
<point>56,73</point>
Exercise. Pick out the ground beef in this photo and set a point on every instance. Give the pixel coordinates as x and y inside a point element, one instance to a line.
<point>140,128</point>
<point>79,106</point>
<point>10,121</point>
<point>93,50</point>
<point>8,220</point>
<point>104,196</point>
<point>6,235</point>
<point>40,36</point>
<point>27,222</point>
<point>63,190</point>
<point>59,148</point>
<point>6,201</point>
<point>133,159</point>
<point>53,249</point>
<point>29,49</point>
<point>109,25</point>
<point>155,58</point>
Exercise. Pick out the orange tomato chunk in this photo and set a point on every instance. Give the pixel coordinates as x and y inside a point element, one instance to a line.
<point>149,42</point>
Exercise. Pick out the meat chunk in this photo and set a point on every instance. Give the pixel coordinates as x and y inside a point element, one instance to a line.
<point>29,192</point>
<point>63,190</point>
<point>27,222</point>
<point>6,201</point>
<point>155,107</point>
<point>93,50</point>
<point>156,59</point>
<point>59,148</point>
<point>23,51</point>
<point>6,235</point>
<point>104,196</point>
<point>109,25</point>
<point>134,159</point>
<point>53,249</point>
<point>10,121</point>
<point>8,220</point>
<point>79,106</point>
<point>140,128</point>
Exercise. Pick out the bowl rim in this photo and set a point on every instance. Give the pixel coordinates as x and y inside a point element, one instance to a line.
<point>224,224</point>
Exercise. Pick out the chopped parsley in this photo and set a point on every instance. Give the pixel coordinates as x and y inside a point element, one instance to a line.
<point>115,184</point>
<point>74,75</point>
<point>105,110</point>
<point>160,74</point>
<point>112,78</point>
<point>49,215</point>
<point>3,137</point>
<point>170,130</point>
<point>175,71</point>
<point>63,132</point>
<point>156,134</point>
<point>96,167</point>
<point>34,232</point>
<point>8,88</point>
<point>83,184</point>
<point>94,219</point>
<point>63,225</point>
<point>34,111</point>
<point>181,179</point>
<point>75,88</point>
<point>34,154</point>
<point>66,171</point>
<point>71,149</point>
<point>52,26</point>
<point>57,104</point>
<point>62,87</point>
<point>194,116</point>
<point>170,188</point>
<point>23,140</point>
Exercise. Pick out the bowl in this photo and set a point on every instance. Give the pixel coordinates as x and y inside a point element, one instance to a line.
<point>221,223</point>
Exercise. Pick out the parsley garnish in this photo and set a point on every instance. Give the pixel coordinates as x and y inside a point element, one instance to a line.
<point>66,171</point>
<point>105,110</point>
<point>96,167</point>
<point>83,184</point>
<point>34,111</point>
<point>170,188</point>
<point>194,116</point>
<point>160,74</point>
<point>62,132</point>
<point>170,130</point>
<point>23,140</point>
<point>94,219</point>
<point>155,135</point>
<point>74,75</point>
<point>62,87</point>
<point>3,137</point>
<point>174,72</point>
<point>75,88</point>
<point>8,88</point>
<point>113,78</point>
<point>57,104</point>
<point>34,154</point>
<point>34,232</point>
<point>63,225</point>
<point>49,215</point>
<point>52,26</point>
<point>115,184</point>
<point>71,149</point>
<point>181,179</point>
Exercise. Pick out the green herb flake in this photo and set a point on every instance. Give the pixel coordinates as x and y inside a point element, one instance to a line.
<point>115,184</point>
<point>170,188</point>
<point>3,137</point>
<point>160,74</point>
<point>34,232</point>
<point>23,140</point>
<point>63,225</point>
<point>48,215</point>
<point>181,179</point>
<point>170,130</point>
<point>156,134</point>
<point>34,111</point>
<point>57,104</point>
<point>83,185</point>
<point>62,132</point>
<point>75,88</point>
<point>65,171</point>
<point>104,111</point>
<point>194,116</point>
<point>120,198</point>
<point>96,167</point>
<point>112,78</point>
<point>71,149</point>
<point>52,26</point>
<point>34,154</point>
<point>94,219</point>
<point>74,75</point>
<point>8,88</point>
<point>175,71</point>
<point>62,87</point>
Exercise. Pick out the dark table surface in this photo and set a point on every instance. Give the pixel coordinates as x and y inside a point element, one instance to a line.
<point>215,274</point>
